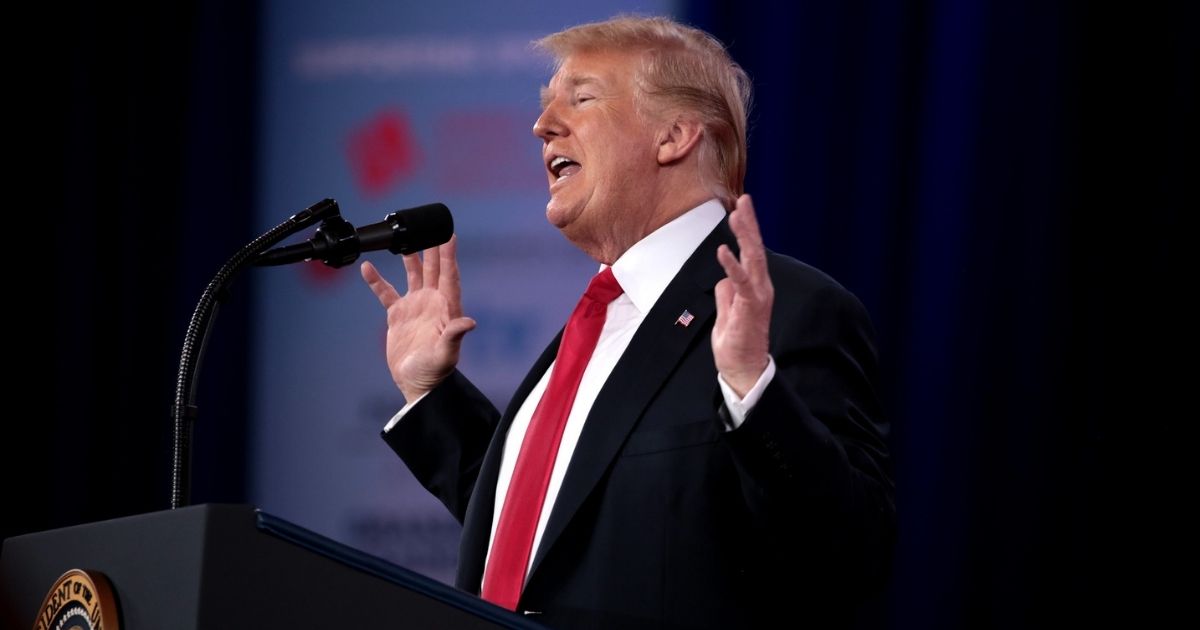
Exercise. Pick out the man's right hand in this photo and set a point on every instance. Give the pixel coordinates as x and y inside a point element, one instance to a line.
<point>426,325</point>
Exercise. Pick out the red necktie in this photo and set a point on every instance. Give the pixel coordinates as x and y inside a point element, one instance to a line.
<point>504,576</point>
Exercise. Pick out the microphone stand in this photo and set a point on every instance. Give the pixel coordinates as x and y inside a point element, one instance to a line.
<point>184,411</point>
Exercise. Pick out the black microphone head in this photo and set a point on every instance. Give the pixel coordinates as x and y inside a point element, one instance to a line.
<point>420,228</point>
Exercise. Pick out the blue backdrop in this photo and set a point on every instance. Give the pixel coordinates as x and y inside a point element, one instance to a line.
<point>386,106</point>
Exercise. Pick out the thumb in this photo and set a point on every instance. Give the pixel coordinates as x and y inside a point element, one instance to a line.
<point>455,330</point>
<point>724,294</point>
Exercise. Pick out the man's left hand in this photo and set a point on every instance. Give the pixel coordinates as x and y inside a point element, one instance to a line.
<point>744,299</point>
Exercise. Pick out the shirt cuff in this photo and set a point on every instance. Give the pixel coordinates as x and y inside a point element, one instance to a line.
<point>739,408</point>
<point>400,414</point>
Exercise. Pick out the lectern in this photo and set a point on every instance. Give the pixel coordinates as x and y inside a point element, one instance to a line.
<point>232,566</point>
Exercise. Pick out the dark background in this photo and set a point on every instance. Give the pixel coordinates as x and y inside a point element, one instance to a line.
<point>1001,182</point>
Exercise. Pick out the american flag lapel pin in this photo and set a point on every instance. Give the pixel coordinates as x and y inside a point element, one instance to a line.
<point>685,318</point>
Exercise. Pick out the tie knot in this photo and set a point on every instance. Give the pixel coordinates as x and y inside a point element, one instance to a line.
<point>604,287</point>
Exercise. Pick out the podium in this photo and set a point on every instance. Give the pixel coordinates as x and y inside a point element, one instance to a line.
<point>232,566</point>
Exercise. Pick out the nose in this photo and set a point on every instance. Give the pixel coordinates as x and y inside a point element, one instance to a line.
<point>549,125</point>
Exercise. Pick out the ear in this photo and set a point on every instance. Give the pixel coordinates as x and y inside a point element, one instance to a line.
<point>679,139</point>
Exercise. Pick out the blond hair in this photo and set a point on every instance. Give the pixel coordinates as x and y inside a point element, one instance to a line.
<point>685,68</point>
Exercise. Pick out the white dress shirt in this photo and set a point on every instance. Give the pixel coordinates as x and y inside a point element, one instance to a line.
<point>643,271</point>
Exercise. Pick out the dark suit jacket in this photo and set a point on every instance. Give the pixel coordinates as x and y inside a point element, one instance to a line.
<point>666,520</point>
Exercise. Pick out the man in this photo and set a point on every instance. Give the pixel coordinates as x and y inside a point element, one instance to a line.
<point>704,447</point>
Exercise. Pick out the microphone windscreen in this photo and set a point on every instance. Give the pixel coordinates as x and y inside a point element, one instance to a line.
<point>424,227</point>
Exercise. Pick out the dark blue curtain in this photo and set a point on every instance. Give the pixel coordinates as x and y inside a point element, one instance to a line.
<point>147,115</point>
<point>1002,184</point>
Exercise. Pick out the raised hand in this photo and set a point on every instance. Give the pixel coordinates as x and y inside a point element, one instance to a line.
<point>744,299</point>
<point>425,325</point>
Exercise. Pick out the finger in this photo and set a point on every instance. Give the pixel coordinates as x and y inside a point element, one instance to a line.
<point>448,282</point>
<point>744,224</point>
<point>745,209</point>
<point>379,286</point>
<point>412,266</point>
<point>733,269</point>
<point>433,264</point>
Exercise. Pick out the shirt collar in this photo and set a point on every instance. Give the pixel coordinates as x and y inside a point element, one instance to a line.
<point>646,269</point>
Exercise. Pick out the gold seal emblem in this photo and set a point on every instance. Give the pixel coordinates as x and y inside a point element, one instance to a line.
<point>79,600</point>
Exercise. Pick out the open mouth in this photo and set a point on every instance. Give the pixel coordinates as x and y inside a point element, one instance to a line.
<point>562,166</point>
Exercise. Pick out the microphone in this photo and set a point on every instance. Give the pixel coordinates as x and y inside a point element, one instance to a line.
<point>337,243</point>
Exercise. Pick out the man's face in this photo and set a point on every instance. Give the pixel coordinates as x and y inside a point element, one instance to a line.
<point>599,155</point>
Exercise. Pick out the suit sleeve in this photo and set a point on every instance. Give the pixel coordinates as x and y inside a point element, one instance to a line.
<point>812,456</point>
<point>443,439</point>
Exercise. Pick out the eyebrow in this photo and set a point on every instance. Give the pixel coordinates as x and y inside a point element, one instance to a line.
<point>572,81</point>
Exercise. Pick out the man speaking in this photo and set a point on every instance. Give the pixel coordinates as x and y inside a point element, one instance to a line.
<point>701,446</point>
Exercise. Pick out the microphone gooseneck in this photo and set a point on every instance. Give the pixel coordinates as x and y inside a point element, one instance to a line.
<point>336,243</point>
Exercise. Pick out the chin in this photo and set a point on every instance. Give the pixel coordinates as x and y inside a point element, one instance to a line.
<point>557,216</point>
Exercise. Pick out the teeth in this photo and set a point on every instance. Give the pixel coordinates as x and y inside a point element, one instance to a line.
<point>558,161</point>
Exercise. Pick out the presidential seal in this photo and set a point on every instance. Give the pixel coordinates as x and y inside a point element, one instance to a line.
<point>79,600</point>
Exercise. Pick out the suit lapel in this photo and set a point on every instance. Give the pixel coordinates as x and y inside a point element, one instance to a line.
<point>477,526</point>
<point>655,350</point>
